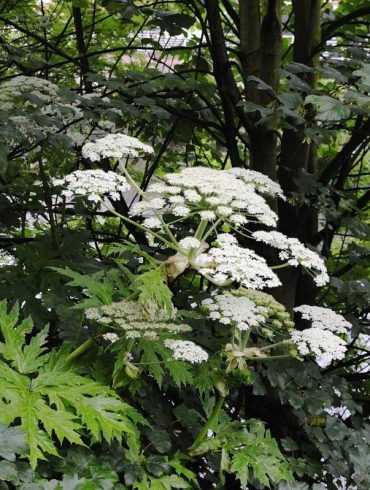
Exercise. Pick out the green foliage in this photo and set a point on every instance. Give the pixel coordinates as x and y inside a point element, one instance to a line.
<point>99,287</point>
<point>328,108</point>
<point>180,79</point>
<point>250,453</point>
<point>153,359</point>
<point>67,404</point>
<point>154,293</point>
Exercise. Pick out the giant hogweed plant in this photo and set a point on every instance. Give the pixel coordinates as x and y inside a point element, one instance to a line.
<point>200,223</point>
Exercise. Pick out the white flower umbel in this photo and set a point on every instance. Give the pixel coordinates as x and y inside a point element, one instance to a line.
<point>228,262</point>
<point>238,311</point>
<point>189,242</point>
<point>260,181</point>
<point>39,88</point>
<point>295,253</point>
<point>186,350</point>
<point>319,342</point>
<point>6,259</point>
<point>324,318</point>
<point>209,194</point>
<point>115,146</point>
<point>111,337</point>
<point>93,184</point>
<point>133,320</point>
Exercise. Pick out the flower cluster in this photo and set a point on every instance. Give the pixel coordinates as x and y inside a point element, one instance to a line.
<point>211,194</point>
<point>324,318</point>
<point>17,87</point>
<point>189,243</point>
<point>132,319</point>
<point>6,259</point>
<point>260,181</point>
<point>319,342</point>
<point>115,146</point>
<point>186,350</point>
<point>238,311</point>
<point>295,253</point>
<point>320,338</point>
<point>228,262</point>
<point>111,337</point>
<point>93,184</point>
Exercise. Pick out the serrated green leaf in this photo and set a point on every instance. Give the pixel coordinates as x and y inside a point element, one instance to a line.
<point>154,292</point>
<point>57,400</point>
<point>151,361</point>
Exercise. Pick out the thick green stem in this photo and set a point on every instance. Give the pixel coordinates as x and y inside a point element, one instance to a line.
<point>281,266</point>
<point>140,227</point>
<point>201,229</point>
<point>270,358</point>
<point>211,229</point>
<point>213,418</point>
<point>272,346</point>
<point>157,215</point>
<point>85,346</point>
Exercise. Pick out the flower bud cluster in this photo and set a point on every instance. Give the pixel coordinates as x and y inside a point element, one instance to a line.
<point>276,313</point>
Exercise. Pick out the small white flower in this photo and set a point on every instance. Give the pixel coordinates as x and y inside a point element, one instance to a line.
<point>229,308</point>
<point>92,184</point>
<point>192,196</point>
<point>189,242</point>
<point>185,350</point>
<point>318,342</point>
<point>114,146</point>
<point>111,337</point>
<point>218,192</point>
<point>238,219</point>
<point>224,210</point>
<point>181,211</point>
<point>207,215</point>
<point>295,253</point>
<point>260,181</point>
<point>176,199</point>
<point>230,262</point>
<point>324,318</point>
<point>152,223</point>
<point>6,259</point>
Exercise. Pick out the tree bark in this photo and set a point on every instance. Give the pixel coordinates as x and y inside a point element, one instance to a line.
<point>297,154</point>
<point>81,47</point>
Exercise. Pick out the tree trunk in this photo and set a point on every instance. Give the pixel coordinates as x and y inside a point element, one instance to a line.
<point>296,154</point>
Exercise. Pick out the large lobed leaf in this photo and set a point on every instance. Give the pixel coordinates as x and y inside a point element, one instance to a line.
<point>56,400</point>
